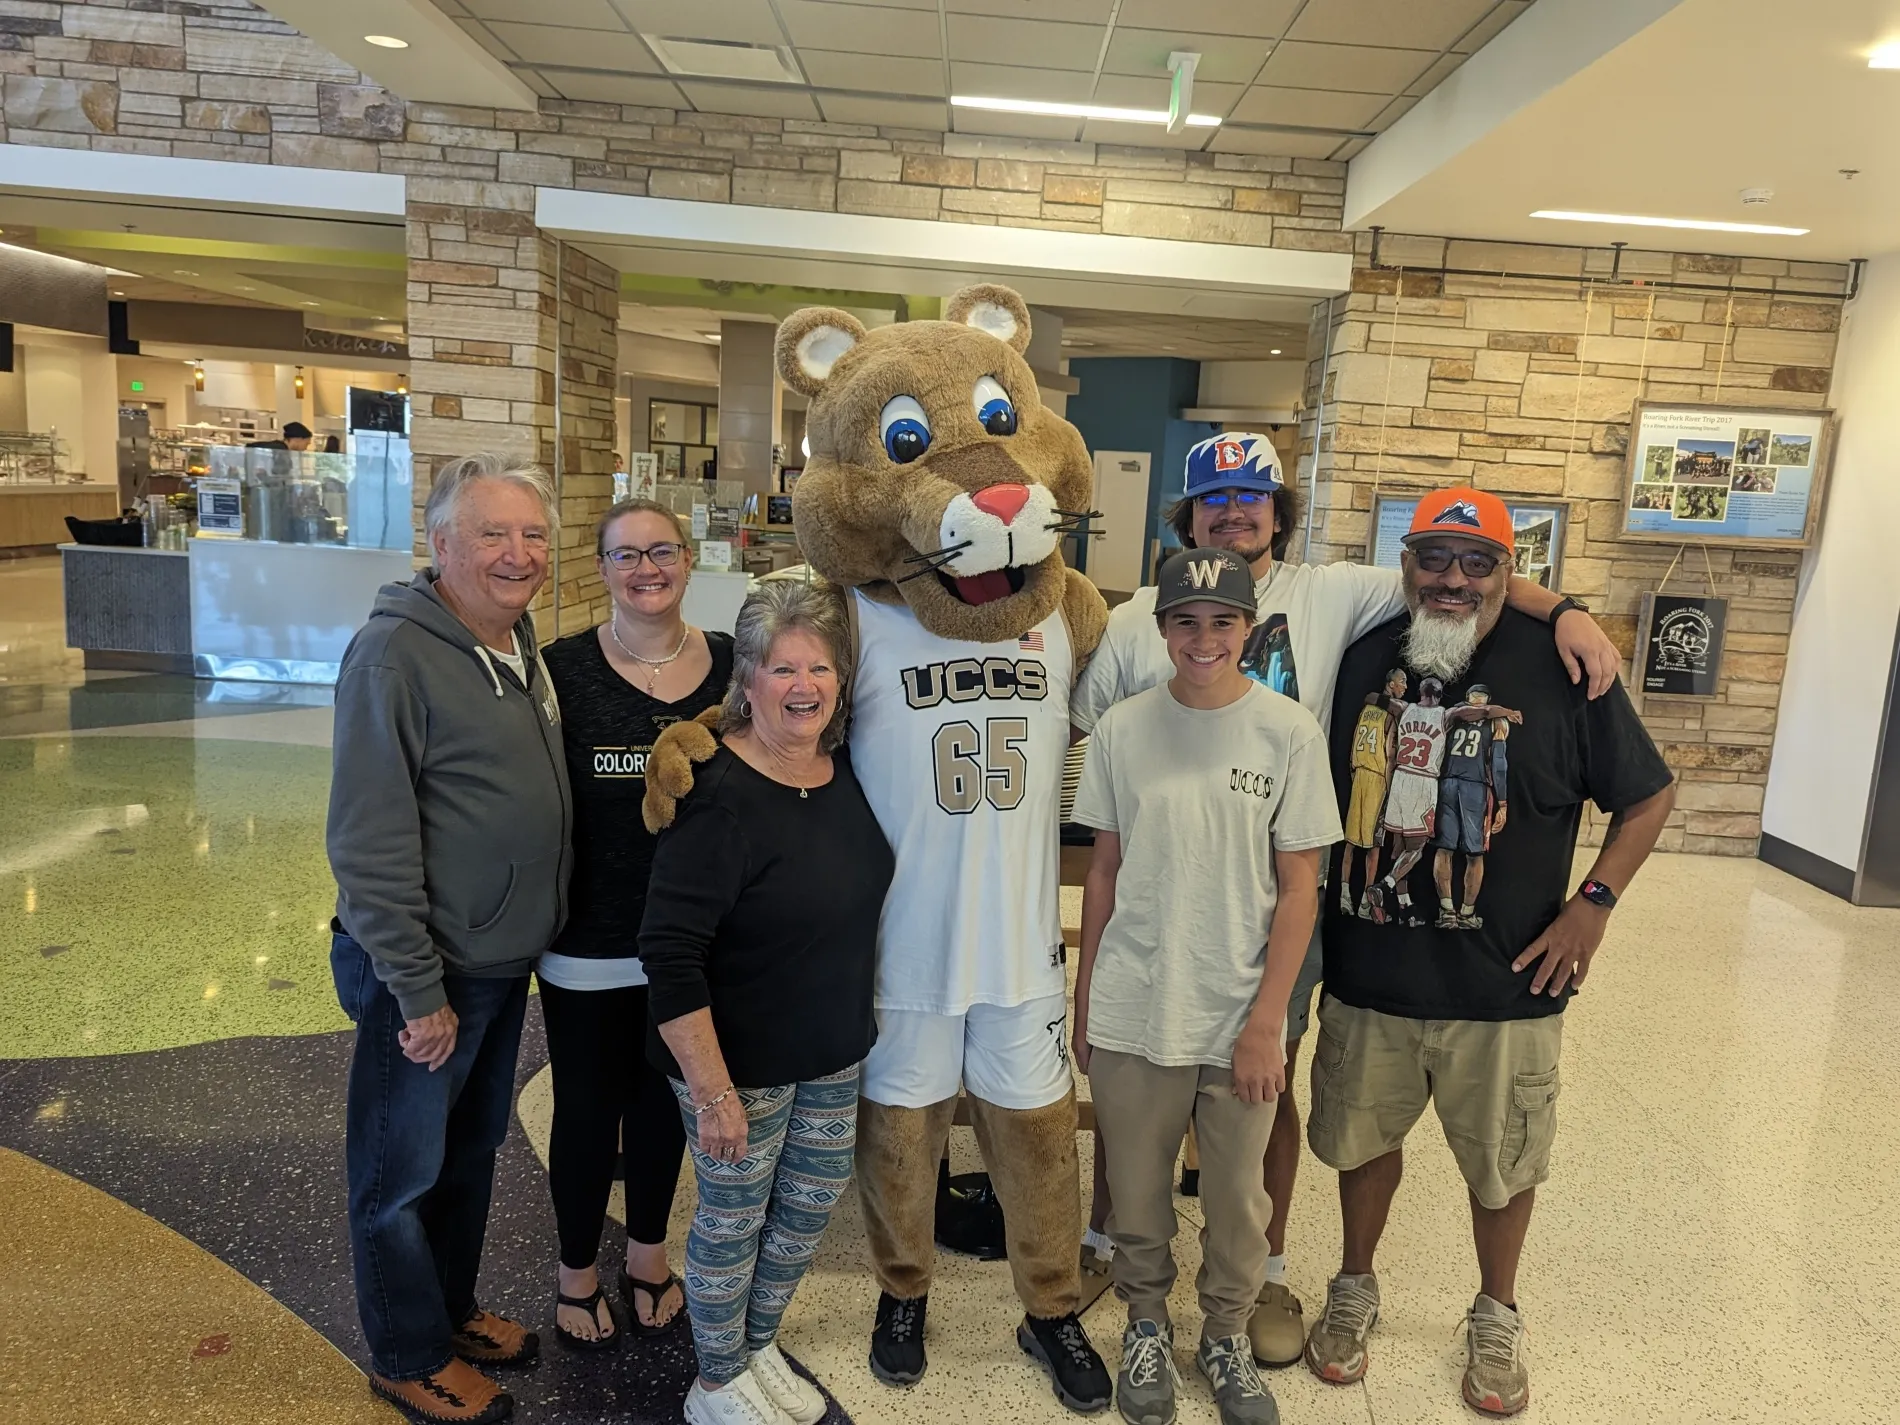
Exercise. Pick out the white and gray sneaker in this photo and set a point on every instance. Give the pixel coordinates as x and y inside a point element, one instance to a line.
<point>788,1390</point>
<point>742,1401</point>
<point>1242,1396</point>
<point>1144,1392</point>
<point>1497,1382</point>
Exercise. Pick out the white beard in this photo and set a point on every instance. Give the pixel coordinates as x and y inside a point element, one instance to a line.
<point>1441,646</point>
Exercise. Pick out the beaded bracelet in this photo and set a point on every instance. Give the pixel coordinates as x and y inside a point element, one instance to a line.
<point>710,1104</point>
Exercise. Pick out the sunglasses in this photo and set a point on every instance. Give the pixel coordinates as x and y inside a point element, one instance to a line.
<point>663,556</point>
<point>1437,558</point>
<point>1223,498</point>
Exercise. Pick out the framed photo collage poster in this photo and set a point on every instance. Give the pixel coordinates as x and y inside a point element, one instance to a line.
<point>1725,475</point>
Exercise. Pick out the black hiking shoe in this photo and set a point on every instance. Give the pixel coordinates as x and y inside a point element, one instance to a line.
<point>1062,1348</point>
<point>897,1341</point>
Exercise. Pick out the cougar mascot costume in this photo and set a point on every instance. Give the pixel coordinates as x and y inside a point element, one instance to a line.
<point>936,491</point>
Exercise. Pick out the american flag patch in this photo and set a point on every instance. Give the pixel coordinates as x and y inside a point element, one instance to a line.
<point>1031,642</point>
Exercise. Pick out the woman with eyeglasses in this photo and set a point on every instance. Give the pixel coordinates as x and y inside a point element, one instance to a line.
<point>619,684</point>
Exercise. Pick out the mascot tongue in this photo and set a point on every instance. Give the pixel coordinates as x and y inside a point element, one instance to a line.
<point>983,588</point>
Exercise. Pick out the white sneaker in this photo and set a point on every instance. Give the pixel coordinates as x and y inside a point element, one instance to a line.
<point>787,1389</point>
<point>743,1402</point>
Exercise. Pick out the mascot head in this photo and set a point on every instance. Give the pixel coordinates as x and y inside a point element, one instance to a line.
<point>936,474</point>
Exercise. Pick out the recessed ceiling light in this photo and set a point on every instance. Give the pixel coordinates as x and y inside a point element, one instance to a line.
<point>1696,224</point>
<point>1885,56</point>
<point>310,304</point>
<point>386,42</point>
<point>727,59</point>
<point>1079,111</point>
<point>118,294</point>
<point>1273,351</point>
<point>181,272</point>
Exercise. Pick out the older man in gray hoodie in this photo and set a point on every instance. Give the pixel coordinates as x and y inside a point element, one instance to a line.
<point>448,834</point>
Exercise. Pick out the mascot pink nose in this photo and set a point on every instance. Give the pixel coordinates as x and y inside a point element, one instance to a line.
<point>1003,501</point>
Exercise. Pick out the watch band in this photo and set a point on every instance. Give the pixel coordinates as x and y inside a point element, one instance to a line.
<point>1597,893</point>
<point>1565,605</point>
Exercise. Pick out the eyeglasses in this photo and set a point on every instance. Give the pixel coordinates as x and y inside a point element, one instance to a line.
<point>1221,499</point>
<point>1437,558</point>
<point>663,556</point>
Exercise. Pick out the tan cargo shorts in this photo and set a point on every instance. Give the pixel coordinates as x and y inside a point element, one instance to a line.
<point>1494,1085</point>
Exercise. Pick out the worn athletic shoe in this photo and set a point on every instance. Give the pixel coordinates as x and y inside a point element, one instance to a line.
<point>742,1402</point>
<point>486,1339</point>
<point>457,1393</point>
<point>1497,1381</point>
<point>789,1391</point>
<point>1075,1369</point>
<point>1336,1346</point>
<point>1277,1330</point>
<point>1145,1391</point>
<point>897,1341</point>
<point>1242,1396</point>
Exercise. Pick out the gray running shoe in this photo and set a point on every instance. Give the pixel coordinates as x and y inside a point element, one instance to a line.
<point>1497,1381</point>
<point>1242,1396</point>
<point>1144,1393</point>
<point>1336,1346</point>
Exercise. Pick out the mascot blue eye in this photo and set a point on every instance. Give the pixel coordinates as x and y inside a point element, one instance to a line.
<point>993,409</point>
<point>904,429</point>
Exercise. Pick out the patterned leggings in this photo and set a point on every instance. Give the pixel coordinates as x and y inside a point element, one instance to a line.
<point>759,1219</point>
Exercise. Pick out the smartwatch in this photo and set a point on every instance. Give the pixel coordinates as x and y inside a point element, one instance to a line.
<point>1597,893</point>
<point>1564,606</point>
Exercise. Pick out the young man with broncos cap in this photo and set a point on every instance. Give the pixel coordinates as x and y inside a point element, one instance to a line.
<point>1236,498</point>
<point>1212,806</point>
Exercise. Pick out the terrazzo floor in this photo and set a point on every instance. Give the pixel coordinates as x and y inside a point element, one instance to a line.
<point>1720,1240</point>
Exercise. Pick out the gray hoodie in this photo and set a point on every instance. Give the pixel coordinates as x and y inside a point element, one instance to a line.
<point>449,805</point>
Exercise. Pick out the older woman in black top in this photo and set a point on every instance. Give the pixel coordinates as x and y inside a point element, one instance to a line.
<point>619,684</point>
<point>760,932</point>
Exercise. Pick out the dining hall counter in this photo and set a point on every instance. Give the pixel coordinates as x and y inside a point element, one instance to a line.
<point>128,608</point>
<point>33,516</point>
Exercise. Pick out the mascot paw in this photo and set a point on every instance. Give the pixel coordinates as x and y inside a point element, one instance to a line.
<point>670,767</point>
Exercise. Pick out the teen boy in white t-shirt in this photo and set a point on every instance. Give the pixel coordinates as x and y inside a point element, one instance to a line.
<point>1211,797</point>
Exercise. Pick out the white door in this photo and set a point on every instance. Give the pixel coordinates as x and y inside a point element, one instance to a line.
<point>1121,494</point>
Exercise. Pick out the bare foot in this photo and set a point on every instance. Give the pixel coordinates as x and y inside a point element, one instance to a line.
<point>647,1263</point>
<point>577,1321</point>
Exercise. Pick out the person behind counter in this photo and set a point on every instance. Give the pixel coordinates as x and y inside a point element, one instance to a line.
<point>619,684</point>
<point>759,940</point>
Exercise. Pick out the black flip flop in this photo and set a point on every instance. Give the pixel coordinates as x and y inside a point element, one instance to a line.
<point>591,1305</point>
<point>629,1284</point>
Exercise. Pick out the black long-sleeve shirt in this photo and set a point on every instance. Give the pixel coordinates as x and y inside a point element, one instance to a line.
<point>764,904</point>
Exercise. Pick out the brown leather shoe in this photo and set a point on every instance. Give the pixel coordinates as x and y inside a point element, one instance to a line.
<point>457,1393</point>
<point>486,1339</point>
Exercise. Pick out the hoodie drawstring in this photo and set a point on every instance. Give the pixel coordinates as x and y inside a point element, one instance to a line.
<point>489,664</point>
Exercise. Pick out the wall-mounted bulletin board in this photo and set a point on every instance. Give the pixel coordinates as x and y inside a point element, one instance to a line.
<point>1727,475</point>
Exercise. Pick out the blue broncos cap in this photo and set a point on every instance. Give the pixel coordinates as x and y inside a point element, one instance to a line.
<point>1233,460</point>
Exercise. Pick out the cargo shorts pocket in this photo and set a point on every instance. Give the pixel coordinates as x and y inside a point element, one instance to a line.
<point>1529,1130</point>
<point>1329,1054</point>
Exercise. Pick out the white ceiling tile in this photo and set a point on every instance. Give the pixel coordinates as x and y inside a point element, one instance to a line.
<point>1435,75</point>
<point>930,5</point>
<point>987,39</point>
<point>746,21</point>
<point>478,31</point>
<point>1491,26</point>
<point>852,27</point>
<point>451,8</point>
<point>617,89</point>
<point>1393,112</point>
<point>578,14</point>
<point>1313,108</point>
<point>879,74</point>
<point>1403,24</point>
<point>1002,81</point>
<point>1350,149</point>
<point>1018,126</point>
<point>1275,141</point>
<point>1358,69</point>
<point>1130,91</point>
<point>576,49</point>
<point>1086,12</point>
<point>536,81</point>
<point>760,102</point>
<point>1143,135</point>
<point>887,113</point>
<point>1224,59</point>
<point>1263,19</point>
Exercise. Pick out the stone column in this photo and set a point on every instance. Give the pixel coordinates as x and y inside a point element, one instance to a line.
<point>748,404</point>
<point>589,351</point>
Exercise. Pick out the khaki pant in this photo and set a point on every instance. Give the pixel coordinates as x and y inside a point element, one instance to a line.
<point>1142,1111</point>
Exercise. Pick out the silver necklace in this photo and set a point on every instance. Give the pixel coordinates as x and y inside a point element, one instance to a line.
<point>653,665</point>
<point>803,794</point>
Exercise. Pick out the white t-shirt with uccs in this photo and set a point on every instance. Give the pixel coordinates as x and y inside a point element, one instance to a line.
<point>1201,800</point>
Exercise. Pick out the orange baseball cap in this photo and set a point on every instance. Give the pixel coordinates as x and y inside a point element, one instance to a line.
<point>1467,513</point>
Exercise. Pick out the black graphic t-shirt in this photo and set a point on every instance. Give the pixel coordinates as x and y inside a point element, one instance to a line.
<point>1489,770</point>
<point>1268,656</point>
<point>608,727</point>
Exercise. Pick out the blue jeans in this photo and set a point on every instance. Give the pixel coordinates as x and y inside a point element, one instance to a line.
<point>421,1157</point>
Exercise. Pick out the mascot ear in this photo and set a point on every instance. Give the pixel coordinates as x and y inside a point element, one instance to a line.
<point>993,309</point>
<point>810,341</point>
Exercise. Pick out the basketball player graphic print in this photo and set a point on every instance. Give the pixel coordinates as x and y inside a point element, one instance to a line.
<point>1372,750</point>
<point>1473,790</point>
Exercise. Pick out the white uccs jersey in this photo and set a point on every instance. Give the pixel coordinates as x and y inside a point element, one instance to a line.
<point>959,748</point>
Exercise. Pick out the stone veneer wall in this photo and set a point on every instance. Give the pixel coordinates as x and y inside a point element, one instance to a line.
<point>1494,381</point>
